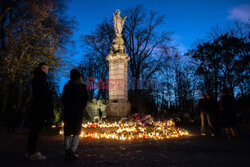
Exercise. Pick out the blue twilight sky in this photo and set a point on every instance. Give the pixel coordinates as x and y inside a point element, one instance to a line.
<point>189,19</point>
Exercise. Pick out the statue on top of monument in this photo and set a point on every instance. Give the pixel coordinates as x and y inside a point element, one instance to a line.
<point>118,22</point>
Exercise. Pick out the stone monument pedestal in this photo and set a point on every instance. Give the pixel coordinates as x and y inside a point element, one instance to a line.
<point>117,109</point>
<point>118,105</point>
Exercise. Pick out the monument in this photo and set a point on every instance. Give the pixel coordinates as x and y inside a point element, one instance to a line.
<point>118,105</point>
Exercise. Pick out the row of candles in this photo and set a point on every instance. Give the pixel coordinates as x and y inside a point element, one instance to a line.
<point>130,130</point>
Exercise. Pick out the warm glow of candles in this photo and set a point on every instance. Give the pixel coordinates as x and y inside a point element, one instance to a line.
<point>131,129</point>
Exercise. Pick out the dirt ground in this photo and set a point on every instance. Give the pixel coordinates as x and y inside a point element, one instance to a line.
<point>191,151</point>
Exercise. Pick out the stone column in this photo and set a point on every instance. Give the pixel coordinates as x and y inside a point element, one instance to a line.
<point>118,105</point>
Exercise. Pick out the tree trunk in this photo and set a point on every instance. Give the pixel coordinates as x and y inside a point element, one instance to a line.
<point>216,84</point>
<point>5,95</point>
<point>3,55</point>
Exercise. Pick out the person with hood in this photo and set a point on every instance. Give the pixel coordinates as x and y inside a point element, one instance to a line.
<point>227,107</point>
<point>212,109</point>
<point>42,110</point>
<point>205,115</point>
<point>74,98</point>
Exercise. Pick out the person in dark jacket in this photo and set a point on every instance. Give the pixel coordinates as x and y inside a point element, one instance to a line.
<point>74,98</point>
<point>205,115</point>
<point>212,109</point>
<point>227,114</point>
<point>42,110</point>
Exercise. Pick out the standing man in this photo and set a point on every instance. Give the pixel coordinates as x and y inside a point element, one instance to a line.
<point>212,108</point>
<point>227,108</point>
<point>42,110</point>
<point>74,98</point>
<point>205,115</point>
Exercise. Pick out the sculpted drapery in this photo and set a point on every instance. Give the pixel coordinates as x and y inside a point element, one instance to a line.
<point>118,22</point>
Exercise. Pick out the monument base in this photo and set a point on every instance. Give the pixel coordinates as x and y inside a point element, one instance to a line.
<point>116,109</point>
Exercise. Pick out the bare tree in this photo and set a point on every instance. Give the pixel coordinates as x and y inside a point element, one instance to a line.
<point>97,46</point>
<point>144,43</point>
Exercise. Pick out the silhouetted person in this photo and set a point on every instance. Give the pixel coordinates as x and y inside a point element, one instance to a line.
<point>42,109</point>
<point>227,111</point>
<point>74,98</point>
<point>212,109</point>
<point>205,115</point>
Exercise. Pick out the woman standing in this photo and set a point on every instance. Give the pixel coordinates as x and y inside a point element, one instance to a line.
<point>74,98</point>
<point>228,118</point>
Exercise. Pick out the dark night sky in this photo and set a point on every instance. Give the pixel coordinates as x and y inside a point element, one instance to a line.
<point>189,19</point>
